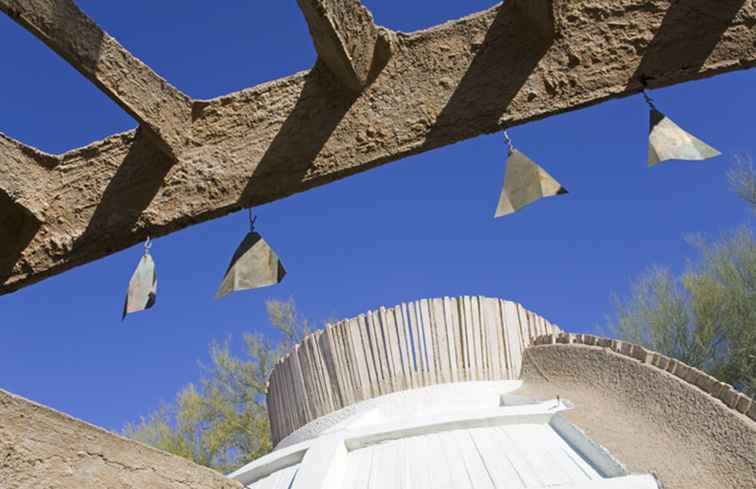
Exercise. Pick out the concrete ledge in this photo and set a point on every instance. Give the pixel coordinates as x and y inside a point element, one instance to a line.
<point>655,414</point>
<point>42,448</point>
<point>719,390</point>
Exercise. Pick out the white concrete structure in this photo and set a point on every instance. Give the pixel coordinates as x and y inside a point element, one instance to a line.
<point>394,349</point>
<point>467,435</point>
<point>464,393</point>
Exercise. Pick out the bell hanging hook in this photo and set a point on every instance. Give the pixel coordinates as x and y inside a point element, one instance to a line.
<point>252,220</point>
<point>646,95</point>
<point>147,245</point>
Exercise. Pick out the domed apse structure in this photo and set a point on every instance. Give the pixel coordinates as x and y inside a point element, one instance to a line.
<point>475,392</point>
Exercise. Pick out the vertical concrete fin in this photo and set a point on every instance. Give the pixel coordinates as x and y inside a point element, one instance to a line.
<point>346,39</point>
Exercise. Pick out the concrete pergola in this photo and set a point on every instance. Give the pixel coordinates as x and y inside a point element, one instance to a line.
<point>374,96</point>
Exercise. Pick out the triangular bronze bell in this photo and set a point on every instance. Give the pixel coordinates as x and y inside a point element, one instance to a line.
<point>524,183</point>
<point>142,292</point>
<point>668,141</point>
<point>253,265</point>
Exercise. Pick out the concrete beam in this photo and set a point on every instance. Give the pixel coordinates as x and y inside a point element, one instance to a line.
<point>346,39</point>
<point>480,74</point>
<point>158,106</point>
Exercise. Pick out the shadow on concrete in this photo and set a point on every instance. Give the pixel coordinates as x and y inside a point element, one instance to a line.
<point>17,229</point>
<point>689,33</point>
<point>136,182</point>
<point>506,58</point>
<point>321,105</point>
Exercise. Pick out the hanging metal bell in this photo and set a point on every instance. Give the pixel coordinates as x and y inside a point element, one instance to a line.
<point>524,183</point>
<point>253,265</point>
<point>668,141</point>
<point>142,292</point>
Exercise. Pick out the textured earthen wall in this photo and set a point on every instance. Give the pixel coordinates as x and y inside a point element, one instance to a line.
<point>650,419</point>
<point>43,449</point>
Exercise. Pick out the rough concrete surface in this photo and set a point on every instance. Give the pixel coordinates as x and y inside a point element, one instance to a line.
<point>651,420</point>
<point>345,37</point>
<point>491,70</point>
<point>43,449</point>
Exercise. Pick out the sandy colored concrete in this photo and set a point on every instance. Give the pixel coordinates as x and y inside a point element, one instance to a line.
<point>345,38</point>
<point>651,420</point>
<point>495,69</point>
<point>43,449</point>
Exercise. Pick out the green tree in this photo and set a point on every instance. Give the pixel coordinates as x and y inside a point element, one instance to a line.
<point>707,316</point>
<point>222,421</point>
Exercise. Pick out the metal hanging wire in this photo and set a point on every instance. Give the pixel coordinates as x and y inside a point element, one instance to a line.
<point>508,140</point>
<point>649,100</point>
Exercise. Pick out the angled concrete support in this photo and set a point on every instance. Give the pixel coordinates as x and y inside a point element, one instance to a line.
<point>347,39</point>
<point>158,106</point>
<point>476,75</point>
<point>23,176</point>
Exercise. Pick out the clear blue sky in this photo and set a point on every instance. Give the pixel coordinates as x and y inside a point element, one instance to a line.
<point>419,227</point>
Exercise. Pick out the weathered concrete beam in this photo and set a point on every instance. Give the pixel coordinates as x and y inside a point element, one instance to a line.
<point>477,75</point>
<point>347,39</point>
<point>157,105</point>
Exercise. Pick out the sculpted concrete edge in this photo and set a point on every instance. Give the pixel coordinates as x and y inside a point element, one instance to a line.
<point>41,447</point>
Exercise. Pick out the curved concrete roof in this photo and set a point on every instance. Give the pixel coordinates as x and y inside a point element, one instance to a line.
<point>650,419</point>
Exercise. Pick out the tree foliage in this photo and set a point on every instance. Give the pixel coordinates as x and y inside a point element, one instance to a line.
<point>706,317</point>
<point>742,178</point>
<point>222,422</point>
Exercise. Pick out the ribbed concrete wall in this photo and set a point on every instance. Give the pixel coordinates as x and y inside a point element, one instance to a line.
<point>431,341</point>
